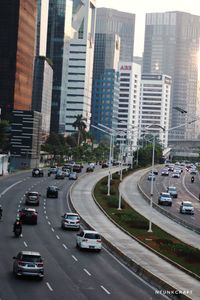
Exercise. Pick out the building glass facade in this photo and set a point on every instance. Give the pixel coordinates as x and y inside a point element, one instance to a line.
<point>171,47</point>
<point>17,46</point>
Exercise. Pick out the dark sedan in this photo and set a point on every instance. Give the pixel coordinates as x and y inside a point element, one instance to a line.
<point>28,216</point>
<point>52,192</point>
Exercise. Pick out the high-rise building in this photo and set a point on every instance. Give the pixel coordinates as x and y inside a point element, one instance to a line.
<point>59,33</point>
<point>42,92</point>
<point>43,71</point>
<point>129,99</point>
<point>111,21</point>
<point>79,67</point>
<point>171,47</point>
<point>17,46</point>
<point>105,88</point>
<point>155,105</point>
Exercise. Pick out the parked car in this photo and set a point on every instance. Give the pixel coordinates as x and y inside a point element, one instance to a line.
<point>52,192</point>
<point>173,191</point>
<point>89,239</point>
<point>165,199</point>
<point>186,207</point>
<point>36,172</point>
<point>28,216</point>
<point>59,175</point>
<point>32,198</point>
<point>73,176</point>
<point>28,263</point>
<point>165,172</point>
<point>70,220</point>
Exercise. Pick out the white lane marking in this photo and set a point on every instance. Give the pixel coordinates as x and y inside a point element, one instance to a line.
<point>25,244</point>
<point>10,187</point>
<point>57,237</point>
<point>19,205</point>
<point>47,217</point>
<point>105,290</point>
<point>49,287</point>
<point>20,201</point>
<point>64,246</point>
<point>52,229</point>
<point>45,212</point>
<point>49,223</point>
<point>87,272</point>
<point>74,258</point>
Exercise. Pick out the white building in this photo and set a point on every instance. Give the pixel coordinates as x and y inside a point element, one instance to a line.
<point>129,97</point>
<point>80,64</point>
<point>155,105</point>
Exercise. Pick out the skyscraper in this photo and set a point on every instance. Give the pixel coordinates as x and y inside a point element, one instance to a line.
<point>111,21</point>
<point>17,46</point>
<point>59,32</point>
<point>171,47</point>
<point>105,88</point>
<point>79,66</point>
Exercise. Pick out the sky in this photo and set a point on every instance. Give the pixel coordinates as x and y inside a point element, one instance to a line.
<point>145,6</point>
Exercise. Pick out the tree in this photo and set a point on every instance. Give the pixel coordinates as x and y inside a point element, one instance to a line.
<point>80,124</point>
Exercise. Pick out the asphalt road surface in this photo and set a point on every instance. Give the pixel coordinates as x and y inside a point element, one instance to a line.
<point>69,272</point>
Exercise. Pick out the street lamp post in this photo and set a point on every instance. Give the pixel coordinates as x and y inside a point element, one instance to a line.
<point>110,153</point>
<point>152,177</point>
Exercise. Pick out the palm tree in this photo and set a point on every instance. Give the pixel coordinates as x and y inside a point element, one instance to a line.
<point>81,125</point>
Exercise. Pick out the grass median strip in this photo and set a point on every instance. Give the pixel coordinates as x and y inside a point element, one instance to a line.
<point>185,255</point>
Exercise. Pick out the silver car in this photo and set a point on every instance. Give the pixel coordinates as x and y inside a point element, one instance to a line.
<point>28,263</point>
<point>70,220</point>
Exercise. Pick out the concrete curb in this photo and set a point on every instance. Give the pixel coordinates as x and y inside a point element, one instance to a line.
<point>133,265</point>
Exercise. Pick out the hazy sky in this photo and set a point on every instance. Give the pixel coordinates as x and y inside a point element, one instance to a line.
<point>140,7</point>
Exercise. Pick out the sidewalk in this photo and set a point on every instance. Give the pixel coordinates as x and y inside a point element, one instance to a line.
<point>144,262</point>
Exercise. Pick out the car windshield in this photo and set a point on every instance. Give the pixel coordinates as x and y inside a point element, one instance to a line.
<point>165,195</point>
<point>71,217</point>
<point>187,204</point>
<point>92,236</point>
<point>31,258</point>
<point>32,194</point>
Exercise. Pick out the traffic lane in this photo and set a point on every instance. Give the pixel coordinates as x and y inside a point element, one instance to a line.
<point>193,188</point>
<point>30,234</point>
<point>10,288</point>
<point>29,231</point>
<point>160,185</point>
<point>122,284</point>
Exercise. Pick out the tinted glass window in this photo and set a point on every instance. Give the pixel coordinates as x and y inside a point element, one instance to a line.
<point>92,236</point>
<point>31,258</point>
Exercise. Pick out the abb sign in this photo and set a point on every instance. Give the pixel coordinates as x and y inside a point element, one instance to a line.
<point>125,68</point>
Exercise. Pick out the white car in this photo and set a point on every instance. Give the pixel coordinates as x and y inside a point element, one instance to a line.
<point>175,175</point>
<point>89,239</point>
<point>165,199</point>
<point>70,220</point>
<point>186,208</point>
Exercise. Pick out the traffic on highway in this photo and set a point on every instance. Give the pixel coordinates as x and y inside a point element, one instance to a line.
<point>46,261</point>
<point>179,183</point>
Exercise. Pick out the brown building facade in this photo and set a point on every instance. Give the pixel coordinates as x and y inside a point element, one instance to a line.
<point>17,48</point>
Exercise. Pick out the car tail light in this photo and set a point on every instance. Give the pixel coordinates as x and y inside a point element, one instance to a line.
<point>78,221</point>
<point>20,263</point>
<point>85,240</point>
<point>99,241</point>
<point>66,221</point>
<point>40,265</point>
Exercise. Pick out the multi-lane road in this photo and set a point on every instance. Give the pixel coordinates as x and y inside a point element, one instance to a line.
<point>186,191</point>
<point>69,273</point>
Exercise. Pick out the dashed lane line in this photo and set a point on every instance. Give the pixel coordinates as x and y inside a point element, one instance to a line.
<point>49,286</point>
<point>87,272</point>
<point>105,290</point>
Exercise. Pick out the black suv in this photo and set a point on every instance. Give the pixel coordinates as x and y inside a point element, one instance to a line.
<point>37,172</point>
<point>28,263</point>
<point>52,192</point>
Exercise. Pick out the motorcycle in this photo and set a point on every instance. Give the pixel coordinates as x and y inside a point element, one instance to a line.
<point>17,231</point>
<point>192,179</point>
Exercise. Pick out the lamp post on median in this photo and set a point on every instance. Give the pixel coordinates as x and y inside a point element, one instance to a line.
<point>110,153</point>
